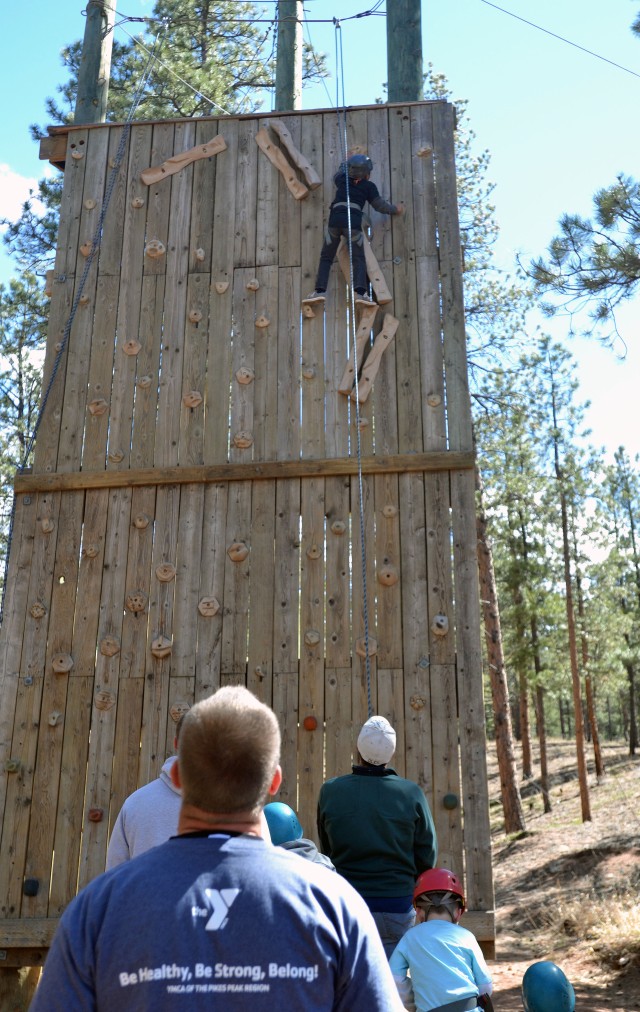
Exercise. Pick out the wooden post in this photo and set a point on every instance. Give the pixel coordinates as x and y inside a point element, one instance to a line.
<point>95,64</point>
<point>289,56</point>
<point>404,51</point>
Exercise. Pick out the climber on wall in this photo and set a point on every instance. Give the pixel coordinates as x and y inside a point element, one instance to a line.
<point>353,190</point>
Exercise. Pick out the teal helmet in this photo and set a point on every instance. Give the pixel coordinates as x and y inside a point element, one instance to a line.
<point>283,823</point>
<point>545,988</point>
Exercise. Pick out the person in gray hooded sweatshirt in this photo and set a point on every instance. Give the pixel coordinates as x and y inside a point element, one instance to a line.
<point>148,817</point>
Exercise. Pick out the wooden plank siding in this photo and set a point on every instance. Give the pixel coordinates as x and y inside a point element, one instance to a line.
<point>206,507</point>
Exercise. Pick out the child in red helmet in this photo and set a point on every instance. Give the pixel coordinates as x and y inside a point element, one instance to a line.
<point>353,190</point>
<point>448,970</point>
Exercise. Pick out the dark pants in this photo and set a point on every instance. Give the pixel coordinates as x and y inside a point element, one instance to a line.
<point>328,253</point>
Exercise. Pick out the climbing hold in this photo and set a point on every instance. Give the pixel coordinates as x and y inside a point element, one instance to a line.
<point>166,572</point>
<point>77,155</point>
<point>12,766</point>
<point>84,300</point>
<point>208,607</point>
<point>47,525</point>
<point>221,287</point>
<point>193,399</point>
<point>425,151</point>
<point>243,439</point>
<point>95,814</point>
<point>90,203</point>
<point>363,423</point>
<point>195,315</point>
<point>54,718</point>
<point>116,455</point>
<point>245,375</point>
<point>37,610</point>
<point>30,886</point>
<point>450,802</point>
<point>155,249</point>
<point>389,511</point>
<point>338,527</point>
<point>200,255</point>
<point>360,647</point>
<point>144,382</point>
<point>161,647</point>
<point>388,575</point>
<point>104,700</point>
<point>136,601</point>
<point>86,248</point>
<point>440,625</point>
<point>109,646</point>
<point>310,723</point>
<point>313,552</point>
<point>90,551</point>
<point>262,322</point>
<point>178,709</point>
<point>131,347</point>
<point>312,637</point>
<point>417,702</point>
<point>253,285</point>
<point>98,406</point>
<point>141,520</point>
<point>434,400</point>
<point>308,372</point>
<point>137,202</point>
<point>61,663</point>
<point>238,551</point>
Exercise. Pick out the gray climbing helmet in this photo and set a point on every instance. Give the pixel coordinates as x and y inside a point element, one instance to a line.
<point>359,166</point>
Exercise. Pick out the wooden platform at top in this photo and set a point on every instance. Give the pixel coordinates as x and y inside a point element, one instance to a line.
<point>193,515</point>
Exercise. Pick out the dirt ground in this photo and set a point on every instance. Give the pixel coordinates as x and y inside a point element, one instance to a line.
<point>562,876</point>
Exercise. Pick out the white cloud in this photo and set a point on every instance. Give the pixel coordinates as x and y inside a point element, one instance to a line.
<point>14,190</point>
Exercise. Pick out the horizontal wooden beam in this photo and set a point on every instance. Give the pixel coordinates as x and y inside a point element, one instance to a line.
<point>446,460</point>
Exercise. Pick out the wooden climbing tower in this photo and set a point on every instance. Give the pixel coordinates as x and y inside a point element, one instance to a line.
<point>193,514</point>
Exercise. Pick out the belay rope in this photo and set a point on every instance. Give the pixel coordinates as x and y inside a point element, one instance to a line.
<point>95,245</point>
<point>342,113</point>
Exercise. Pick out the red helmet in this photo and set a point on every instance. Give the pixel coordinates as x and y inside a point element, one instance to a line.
<point>439,880</point>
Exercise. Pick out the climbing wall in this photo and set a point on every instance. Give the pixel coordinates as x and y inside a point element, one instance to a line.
<point>195,515</point>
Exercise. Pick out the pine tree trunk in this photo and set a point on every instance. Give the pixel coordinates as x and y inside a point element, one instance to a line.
<point>511,801</point>
<point>542,739</point>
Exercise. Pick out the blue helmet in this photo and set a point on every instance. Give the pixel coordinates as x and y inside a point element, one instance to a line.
<point>283,823</point>
<point>545,988</point>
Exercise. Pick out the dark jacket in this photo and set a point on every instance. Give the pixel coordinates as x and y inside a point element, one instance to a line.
<point>356,192</point>
<point>377,829</point>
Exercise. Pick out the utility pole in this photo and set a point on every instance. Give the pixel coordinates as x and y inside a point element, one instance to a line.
<point>95,64</point>
<point>289,56</point>
<point>404,51</point>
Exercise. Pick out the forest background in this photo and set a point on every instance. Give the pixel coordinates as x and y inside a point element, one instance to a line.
<point>547,97</point>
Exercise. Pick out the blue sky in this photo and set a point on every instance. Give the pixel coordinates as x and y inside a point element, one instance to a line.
<point>559,122</point>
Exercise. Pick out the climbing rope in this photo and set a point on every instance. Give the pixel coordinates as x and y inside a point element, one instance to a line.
<point>342,115</point>
<point>95,245</point>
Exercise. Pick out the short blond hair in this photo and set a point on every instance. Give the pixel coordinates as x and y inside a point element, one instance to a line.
<point>229,750</point>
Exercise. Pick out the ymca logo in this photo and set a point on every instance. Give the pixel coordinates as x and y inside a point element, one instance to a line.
<point>220,901</point>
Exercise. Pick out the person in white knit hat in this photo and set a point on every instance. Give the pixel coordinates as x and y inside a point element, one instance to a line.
<point>378,830</point>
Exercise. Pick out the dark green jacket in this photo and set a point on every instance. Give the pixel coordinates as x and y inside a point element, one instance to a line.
<point>377,829</point>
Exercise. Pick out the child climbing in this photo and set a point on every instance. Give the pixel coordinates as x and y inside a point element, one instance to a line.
<point>445,961</point>
<point>353,190</point>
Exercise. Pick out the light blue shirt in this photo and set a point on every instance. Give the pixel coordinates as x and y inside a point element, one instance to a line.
<point>446,964</point>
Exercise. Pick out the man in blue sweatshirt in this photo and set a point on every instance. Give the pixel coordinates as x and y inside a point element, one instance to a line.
<point>378,830</point>
<point>216,917</point>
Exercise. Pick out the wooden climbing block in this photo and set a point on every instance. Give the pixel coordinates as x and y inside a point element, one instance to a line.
<point>180,161</point>
<point>309,306</point>
<point>362,336</point>
<point>296,156</point>
<point>275,156</point>
<point>374,271</point>
<point>372,364</point>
